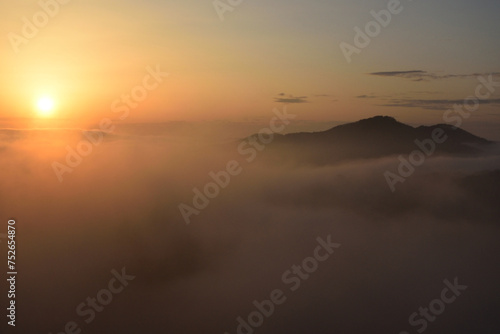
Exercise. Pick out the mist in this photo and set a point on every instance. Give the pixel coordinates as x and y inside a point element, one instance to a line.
<point>119,208</point>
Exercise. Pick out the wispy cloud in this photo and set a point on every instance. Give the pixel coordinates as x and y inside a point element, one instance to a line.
<point>419,75</point>
<point>436,104</point>
<point>283,98</point>
<point>366,97</point>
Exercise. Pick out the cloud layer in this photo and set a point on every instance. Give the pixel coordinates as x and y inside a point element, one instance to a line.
<point>120,209</point>
<point>419,75</point>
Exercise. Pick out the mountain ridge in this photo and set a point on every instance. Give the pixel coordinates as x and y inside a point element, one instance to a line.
<point>375,137</point>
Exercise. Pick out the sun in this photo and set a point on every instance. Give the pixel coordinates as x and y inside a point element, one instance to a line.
<point>45,106</point>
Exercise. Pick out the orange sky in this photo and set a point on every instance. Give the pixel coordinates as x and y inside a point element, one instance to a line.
<point>89,54</point>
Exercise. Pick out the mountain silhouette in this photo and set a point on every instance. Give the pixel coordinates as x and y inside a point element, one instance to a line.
<point>375,137</point>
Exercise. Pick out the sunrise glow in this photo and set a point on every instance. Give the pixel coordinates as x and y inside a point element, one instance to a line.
<point>45,106</point>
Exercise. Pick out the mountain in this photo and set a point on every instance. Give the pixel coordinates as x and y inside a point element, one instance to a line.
<point>373,138</point>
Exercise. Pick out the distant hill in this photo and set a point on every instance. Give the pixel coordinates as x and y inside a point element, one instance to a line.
<point>372,138</point>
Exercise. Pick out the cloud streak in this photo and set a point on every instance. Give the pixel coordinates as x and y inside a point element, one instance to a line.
<point>290,99</point>
<point>420,75</point>
<point>433,104</point>
<point>366,97</point>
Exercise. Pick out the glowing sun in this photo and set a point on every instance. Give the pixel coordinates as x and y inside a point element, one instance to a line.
<point>45,106</point>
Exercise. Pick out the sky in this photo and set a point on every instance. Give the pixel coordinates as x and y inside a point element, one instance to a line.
<point>239,64</point>
<point>193,89</point>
